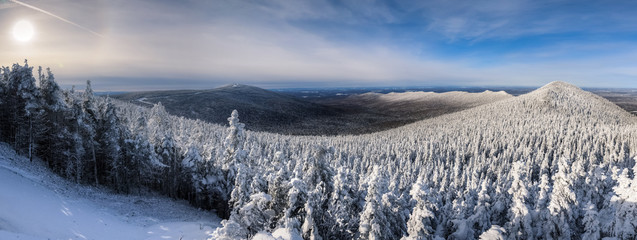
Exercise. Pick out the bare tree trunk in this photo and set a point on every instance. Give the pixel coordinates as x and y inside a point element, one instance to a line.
<point>30,139</point>
<point>95,163</point>
<point>77,168</point>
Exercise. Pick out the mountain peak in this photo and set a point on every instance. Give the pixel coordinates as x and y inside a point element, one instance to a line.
<point>237,85</point>
<point>559,90</point>
<point>559,85</point>
<point>570,99</point>
<point>241,88</point>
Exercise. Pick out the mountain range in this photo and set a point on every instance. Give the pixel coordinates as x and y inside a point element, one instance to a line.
<point>277,112</point>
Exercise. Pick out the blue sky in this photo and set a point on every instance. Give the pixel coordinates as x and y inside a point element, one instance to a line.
<point>144,45</point>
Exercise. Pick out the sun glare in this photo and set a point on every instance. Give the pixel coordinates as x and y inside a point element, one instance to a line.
<point>23,31</point>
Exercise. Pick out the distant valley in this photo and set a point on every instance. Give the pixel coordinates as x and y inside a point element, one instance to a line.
<point>334,111</point>
<point>286,113</point>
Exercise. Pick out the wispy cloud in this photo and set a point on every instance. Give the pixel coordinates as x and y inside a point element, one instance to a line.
<point>200,44</point>
<point>56,16</point>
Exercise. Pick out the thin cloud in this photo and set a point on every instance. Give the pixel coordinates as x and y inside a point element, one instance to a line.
<point>56,16</point>
<point>202,44</point>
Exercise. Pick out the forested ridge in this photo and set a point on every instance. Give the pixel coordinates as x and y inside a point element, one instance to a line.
<point>556,163</point>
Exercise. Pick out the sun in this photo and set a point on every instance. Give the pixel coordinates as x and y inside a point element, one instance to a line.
<point>23,31</point>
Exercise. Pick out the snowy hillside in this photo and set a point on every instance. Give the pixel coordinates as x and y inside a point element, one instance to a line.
<point>552,164</point>
<point>426,100</point>
<point>36,204</point>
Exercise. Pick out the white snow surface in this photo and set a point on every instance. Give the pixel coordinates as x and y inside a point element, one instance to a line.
<point>37,204</point>
<point>278,234</point>
<point>428,100</point>
<point>143,100</point>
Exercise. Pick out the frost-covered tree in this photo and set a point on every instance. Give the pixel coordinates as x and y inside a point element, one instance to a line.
<point>591,223</point>
<point>373,222</point>
<point>20,108</point>
<point>309,229</point>
<point>255,215</point>
<point>74,164</point>
<point>462,230</point>
<point>50,143</point>
<point>494,233</point>
<point>343,205</point>
<point>230,230</point>
<point>624,201</point>
<point>396,213</point>
<point>541,205</point>
<point>295,210</point>
<point>278,188</point>
<point>520,219</point>
<point>87,124</point>
<point>563,203</point>
<point>233,155</point>
<point>422,220</point>
<point>234,141</point>
<point>107,139</point>
<point>481,216</point>
<point>241,191</point>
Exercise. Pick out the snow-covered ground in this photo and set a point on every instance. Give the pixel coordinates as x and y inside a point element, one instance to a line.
<point>37,204</point>
<point>453,98</point>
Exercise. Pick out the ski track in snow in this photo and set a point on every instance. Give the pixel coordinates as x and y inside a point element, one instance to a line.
<point>37,204</point>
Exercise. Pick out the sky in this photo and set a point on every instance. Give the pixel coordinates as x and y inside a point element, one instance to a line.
<point>123,45</point>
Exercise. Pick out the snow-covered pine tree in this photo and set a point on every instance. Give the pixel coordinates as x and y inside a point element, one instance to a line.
<point>520,219</point>
<point>74,163</point>
<point>230,230</point>
<point>22,108</point>
<point>591,223</point>
<point>422,220</point>
<point>373,223</point>
<point>481,217</point>
<point>278,188</point>
<point>295,210</point>
<point>107,138</point>
<point>624,201</point>
<point>317,175</point>
<point>309,229</point>
<point>541,205</point>
<point>51,142</point>
<point>563,202</point>
<point>240,194</point>
<point>87,125</point>
<point>254,216</point>
<point>233,143</point>
<point>233,155</point>
<point>343,206</point>
<point>494,233</point>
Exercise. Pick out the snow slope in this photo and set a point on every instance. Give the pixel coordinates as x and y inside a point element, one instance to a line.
<point>421,101</point>
<point>37,204</point>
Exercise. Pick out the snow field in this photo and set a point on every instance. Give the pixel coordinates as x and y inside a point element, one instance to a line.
<point>37,204</point>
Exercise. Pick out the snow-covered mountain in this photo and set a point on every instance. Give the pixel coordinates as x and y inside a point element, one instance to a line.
<point>419,105</point>
<point>394,101</point>
<point>554,163</point>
